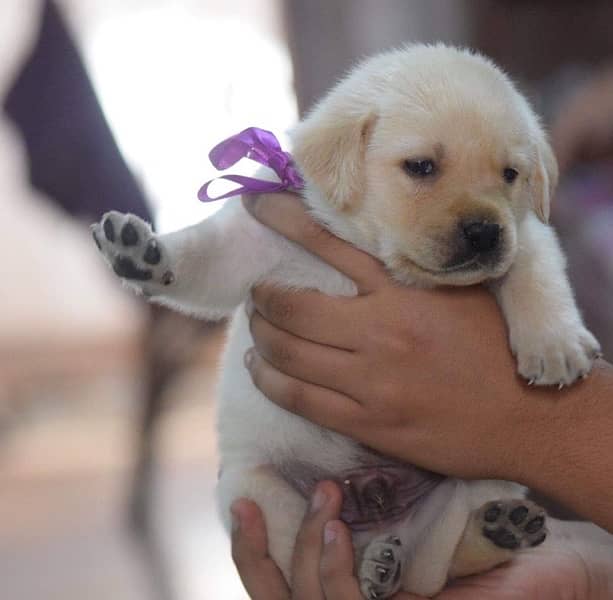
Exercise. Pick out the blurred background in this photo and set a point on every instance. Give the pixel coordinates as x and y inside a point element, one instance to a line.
<point>107,451</point>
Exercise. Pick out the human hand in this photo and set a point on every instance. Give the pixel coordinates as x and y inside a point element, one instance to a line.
<point>560,568</point>
<point>396,368</point>
<point>323,563</point>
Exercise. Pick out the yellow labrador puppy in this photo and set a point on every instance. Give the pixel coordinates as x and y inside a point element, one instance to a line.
<point>429,159</point>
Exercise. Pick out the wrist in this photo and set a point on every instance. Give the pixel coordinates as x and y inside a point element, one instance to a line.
<point>564,450</point>
<point>525,439</point>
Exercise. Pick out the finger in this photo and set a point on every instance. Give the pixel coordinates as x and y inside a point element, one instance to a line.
<point>315,403</point>
<point>325,505</point>
<point>258,572</point>
<point>312,315</point>
<point>336,567</point>
<point>314,363</point>
<point>286,214</point>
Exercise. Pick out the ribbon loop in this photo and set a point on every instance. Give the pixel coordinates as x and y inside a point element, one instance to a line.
<point>260,146</point>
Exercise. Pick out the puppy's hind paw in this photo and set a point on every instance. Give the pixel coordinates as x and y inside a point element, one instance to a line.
<point>513,524</point>
<point>381,568</point>
<point>132,250</point>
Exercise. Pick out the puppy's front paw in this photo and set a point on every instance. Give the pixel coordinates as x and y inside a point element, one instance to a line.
<point>555,357</point>
<point>132,250</point>
<point>381,567</point>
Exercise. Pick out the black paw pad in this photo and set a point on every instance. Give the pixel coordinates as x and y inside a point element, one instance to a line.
<point>125,267</point>
<point>109,230</point>
<point>129,235</point>
<point>152,254</point>
<point>503,538</point>
<point>534,525</point>
<point>518,515</point>
<point>491,514</point>
<point>539,540</point>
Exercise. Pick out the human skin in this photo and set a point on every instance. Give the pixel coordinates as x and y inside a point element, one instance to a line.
<point>577,567</point>
<point>425,376</point>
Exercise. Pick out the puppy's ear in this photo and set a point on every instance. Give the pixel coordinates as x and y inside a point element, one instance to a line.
<point>329,148</point>
<point>545,179</point>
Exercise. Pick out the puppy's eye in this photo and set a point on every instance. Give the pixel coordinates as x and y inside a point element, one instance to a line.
<point>510,175</point>
<point>420,168</point>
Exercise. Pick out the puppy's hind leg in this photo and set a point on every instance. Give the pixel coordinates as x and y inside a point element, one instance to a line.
<point>495,532</point>
<point>414,554</point>
<point>282,506</point>
<point>445,527</point>
<point>381,564</point>
<point>440,523</point>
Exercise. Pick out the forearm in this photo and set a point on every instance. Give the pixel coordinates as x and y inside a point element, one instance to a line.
<point>566,448</point>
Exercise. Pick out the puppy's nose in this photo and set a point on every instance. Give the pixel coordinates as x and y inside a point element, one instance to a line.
<point>483,237</point>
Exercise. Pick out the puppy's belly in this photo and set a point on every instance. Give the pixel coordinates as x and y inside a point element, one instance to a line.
<point>374,495</point>
<point>378,491</point>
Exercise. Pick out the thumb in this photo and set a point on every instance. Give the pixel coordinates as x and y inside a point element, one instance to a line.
<point>336,566</point>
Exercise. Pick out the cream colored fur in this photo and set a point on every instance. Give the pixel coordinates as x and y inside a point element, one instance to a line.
<point>420,101</point>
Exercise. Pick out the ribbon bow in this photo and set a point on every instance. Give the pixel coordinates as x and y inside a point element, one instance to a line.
<point>258,145</point>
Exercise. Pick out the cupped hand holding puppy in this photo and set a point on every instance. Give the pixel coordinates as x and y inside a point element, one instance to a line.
<point>323,563</point>
<point>425,376</point>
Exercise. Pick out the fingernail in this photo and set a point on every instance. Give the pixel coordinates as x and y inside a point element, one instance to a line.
<point>330,532</point>
<point>248,358</point>
<point>319,499</point>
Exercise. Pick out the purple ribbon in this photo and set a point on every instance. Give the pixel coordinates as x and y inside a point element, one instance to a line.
<point>258,145</point>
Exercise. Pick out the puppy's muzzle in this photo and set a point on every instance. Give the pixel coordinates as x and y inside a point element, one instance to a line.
<point>482,237</point>
<point>477,244</point>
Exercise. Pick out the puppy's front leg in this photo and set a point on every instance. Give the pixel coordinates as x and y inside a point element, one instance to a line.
<point>205,270</point>
<point>546,331</point>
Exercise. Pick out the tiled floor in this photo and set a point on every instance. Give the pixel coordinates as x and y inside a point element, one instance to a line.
<point>64,472</point>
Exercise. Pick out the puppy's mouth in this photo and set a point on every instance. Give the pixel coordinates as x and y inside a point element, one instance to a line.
<point>469,271</point>
<point>470,264</point>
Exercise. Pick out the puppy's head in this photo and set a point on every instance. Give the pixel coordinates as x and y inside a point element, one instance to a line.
<point>429,158</point>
